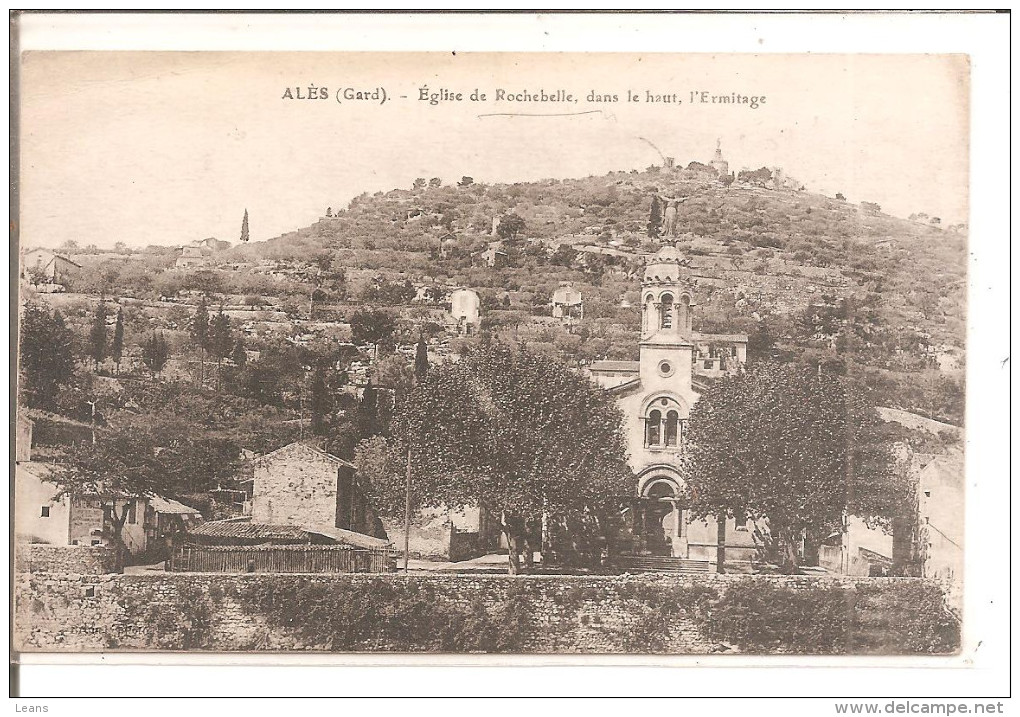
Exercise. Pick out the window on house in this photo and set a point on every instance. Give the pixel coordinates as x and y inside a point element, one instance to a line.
<point>96,541</point>
<point>45,511</point>
<point>653,429</point>
<point>672,428</point>
<point>133,512</point>
<point>740,520</point>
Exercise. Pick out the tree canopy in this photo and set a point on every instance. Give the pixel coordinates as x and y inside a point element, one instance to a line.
<point>45,358</point>
<point>793,449</point>
<point>514,432</point>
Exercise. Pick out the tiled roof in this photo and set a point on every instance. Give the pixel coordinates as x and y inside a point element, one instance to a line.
<point>615,366</point>
<point>737,338</point>
<point>305,446</point>
<point>248,531</point>
<point>168,506</point>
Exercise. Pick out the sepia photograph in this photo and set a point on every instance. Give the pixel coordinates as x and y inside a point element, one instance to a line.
<point>491,353</point>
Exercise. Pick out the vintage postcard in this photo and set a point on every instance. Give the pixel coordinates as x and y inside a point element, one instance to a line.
<point>475,353</point>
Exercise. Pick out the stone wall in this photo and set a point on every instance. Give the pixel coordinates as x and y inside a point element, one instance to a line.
<point>440,613</point>
<point>66,559</point>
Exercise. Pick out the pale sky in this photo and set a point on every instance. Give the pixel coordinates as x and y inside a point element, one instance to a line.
<point>166,148</point>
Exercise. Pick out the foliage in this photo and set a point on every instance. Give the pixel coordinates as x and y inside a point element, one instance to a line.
<point>510,226</point>
<point>372,326</point>
<point>155,352</point>
<point>793,450</point>
<point>45,357</point>
<point>244,227</point>
<point>517,433</point>
<point>117,347</point>
<point>97,334</point>
<point>120,465</point>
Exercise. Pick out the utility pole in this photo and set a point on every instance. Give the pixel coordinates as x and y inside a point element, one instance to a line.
<point>407,513</point>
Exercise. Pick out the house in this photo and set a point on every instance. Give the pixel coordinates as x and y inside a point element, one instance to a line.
<point>46,267</point>
<point>656,394</point>
<point>464,309</point>
<point>191,256</point>
<point>494,256</point>
<point>567,304</point>
<point>197,253</point>
<point>301,485</point>
<point>41,517</point>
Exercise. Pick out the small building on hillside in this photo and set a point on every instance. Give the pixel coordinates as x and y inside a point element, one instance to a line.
<point>465,308</point>
<point>301,485</point>
<point>567,304</point>
<point>190,256</point>
<point>43,266</point>
<point>494,256</point>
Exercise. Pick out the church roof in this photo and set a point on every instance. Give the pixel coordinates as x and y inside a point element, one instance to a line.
<point>616,366</point>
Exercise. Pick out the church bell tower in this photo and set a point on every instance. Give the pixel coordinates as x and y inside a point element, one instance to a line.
<point>666,321</point>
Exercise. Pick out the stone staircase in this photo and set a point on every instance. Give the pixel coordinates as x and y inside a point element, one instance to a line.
<point>659,564</point>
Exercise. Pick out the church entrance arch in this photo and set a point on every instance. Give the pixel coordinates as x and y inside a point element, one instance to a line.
<point>658,518</point>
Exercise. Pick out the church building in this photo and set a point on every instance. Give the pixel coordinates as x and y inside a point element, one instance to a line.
<point>656,394</point>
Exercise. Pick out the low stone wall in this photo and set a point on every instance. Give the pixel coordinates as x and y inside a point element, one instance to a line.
<point>68,559</point>
<point>662,614</point>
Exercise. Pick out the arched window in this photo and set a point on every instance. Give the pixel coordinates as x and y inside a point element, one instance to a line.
<point>667,312</point>
<point>684,313</point>
<point>653,429</point>
<point>672,428</point>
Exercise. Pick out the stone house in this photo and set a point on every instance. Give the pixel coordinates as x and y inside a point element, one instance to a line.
<point>54,267</point>
<point>301,485</point>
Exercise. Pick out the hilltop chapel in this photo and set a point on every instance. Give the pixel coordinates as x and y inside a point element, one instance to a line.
<point>655,394</point>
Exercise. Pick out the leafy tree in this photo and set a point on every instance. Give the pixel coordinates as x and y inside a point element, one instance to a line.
<point>510,227</point>
<point>45,356</point>
<point>372,326</point>
<point>97,334</point>
<point>69,247</point>
<point>120,466</point>
<point>117,348</point>
<point>155,352</point>
<point>244,226</point>
<point>419,183</point>
<point>435,183</point>
<point>760,342</point>
<point>515,433</point>
<point>794,450</point>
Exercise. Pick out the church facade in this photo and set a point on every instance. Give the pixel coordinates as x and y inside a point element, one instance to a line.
<point>656,394</point>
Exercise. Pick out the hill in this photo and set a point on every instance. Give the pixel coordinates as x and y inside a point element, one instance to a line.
<point>809,277</point>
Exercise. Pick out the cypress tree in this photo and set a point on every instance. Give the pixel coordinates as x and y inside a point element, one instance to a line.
<point>117,350</point>
<point>244,226</point>
<point>97,334</point>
